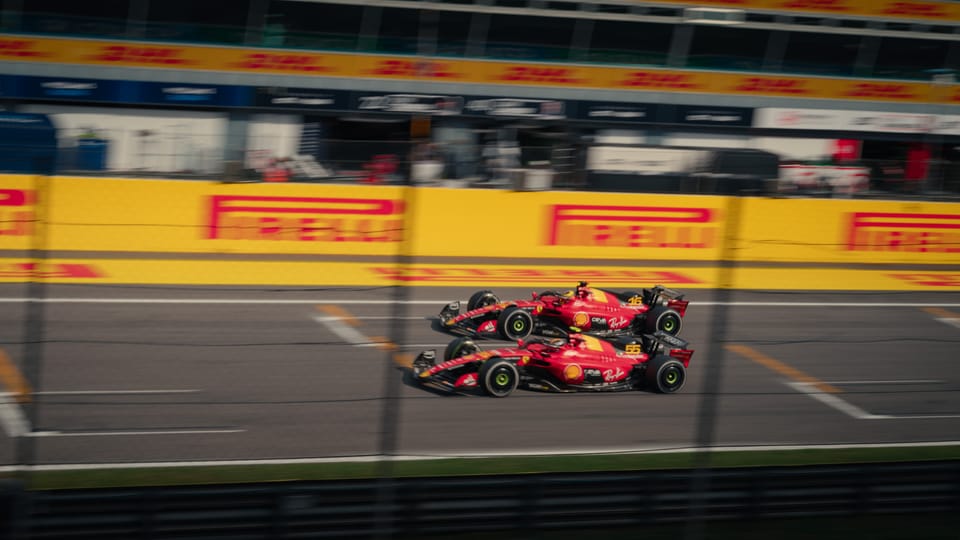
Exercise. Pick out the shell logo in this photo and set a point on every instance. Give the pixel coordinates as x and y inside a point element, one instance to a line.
<point>580,319</point>
<point>572,372</point>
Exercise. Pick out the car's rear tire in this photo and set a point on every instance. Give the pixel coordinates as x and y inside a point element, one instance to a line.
<point>664,319</point>
<point>481,299</point>
<point>461,346</point>
<point>665,374</point>
<point>499,377</point>
<point>515,323</point>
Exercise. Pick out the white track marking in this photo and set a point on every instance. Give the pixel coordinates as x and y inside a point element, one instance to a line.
<point>952,321</point>
<point>905,381</point>
<point>121,432</point>
<point>345,331</point>
<point>280,301</point>
<point>14,423</point>
<point>468,454</point>
<point>109,392</point>
<point>852,410</point>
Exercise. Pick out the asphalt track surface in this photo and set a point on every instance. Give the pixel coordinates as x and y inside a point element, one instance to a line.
<point>157,374</point>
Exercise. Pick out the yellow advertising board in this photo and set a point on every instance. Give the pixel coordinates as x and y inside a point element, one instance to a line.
<point>847,231</point>
<point>100,214</point>
<point>927,10</point>
<point>177,216</point>
<point>578,225</point>
<point>367,66</point>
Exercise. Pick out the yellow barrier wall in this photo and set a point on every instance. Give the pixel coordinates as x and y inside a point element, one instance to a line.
<point>176,216</point>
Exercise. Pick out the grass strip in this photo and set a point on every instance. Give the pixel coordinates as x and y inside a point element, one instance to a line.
<point>269,472</point>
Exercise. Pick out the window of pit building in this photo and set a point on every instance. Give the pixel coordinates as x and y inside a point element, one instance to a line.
<point>903,58</point>
<point>727,47</point>
<point>622,42</point>
<point>511,37</point>
<point>107,18</point>
<point>313,25</point>
<point>453,32</point>
<point>190,20</point>
<point>399,31</point>
<point>819,53</point>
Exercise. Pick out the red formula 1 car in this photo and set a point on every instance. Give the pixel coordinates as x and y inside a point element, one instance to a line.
<point>578,362</point>
<point>589,310</point>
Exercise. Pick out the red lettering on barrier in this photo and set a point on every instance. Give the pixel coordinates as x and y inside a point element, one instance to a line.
<point>540,75</point>
<point>304,219</point>
<point>301,63</point>
<point>653,79</point>
<point>917,9</point>
<point>881,90</point>
<point>773,85</point>
<point>19,48</point>
<point>931,279</point>
<point>29,270</point>
<point>427,274</point>
<point>415,68</point>
<point>16,213</point>
<point>141,54</point>
<point>631,226</point>
<point>824,5</point>
<point>904,232</point>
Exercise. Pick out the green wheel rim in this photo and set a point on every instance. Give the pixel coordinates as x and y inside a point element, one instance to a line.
<point>519,325</point>
<point>669,324</point>
<point>502,379</point>
<point>672,377</point>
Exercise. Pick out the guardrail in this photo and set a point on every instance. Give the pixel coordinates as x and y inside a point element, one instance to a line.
<point>416,506</point>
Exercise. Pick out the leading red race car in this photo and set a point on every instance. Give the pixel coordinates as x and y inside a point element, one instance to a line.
<point>578,362</point>
<point>586,309</point>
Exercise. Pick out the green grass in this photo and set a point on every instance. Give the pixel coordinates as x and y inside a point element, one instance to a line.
<point>227,474</point>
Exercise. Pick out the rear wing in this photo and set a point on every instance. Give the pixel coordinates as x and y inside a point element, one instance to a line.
<point>671,298</point>
<point>663,343</point>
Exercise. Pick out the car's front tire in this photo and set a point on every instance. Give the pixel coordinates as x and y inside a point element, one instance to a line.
<point>461,346</point>
<point>499,377</point>
<point>480,299</point>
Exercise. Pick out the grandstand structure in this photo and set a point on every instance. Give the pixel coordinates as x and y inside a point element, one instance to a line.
<point>803,77</point>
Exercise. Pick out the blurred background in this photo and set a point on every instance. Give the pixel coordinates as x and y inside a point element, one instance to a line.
<point>156,314</point>
<point>828,98</point>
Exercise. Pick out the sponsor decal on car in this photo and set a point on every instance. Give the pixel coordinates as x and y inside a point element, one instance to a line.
<point>632,226</point>
<point>304,219</point>
<point>616,323</point>
<point>487,327</point>
<point>572,373</point>
<point>903,232</point>
<point>611,375</point>
<point>580,319</point>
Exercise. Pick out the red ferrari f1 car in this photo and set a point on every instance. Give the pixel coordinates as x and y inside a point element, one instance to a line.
<point>586,309</point>
<point>578,362</point>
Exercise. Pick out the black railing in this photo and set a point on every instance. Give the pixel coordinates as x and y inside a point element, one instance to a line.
<point>352,508</point>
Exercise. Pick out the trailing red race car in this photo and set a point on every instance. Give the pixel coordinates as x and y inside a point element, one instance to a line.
<point>586,309</point>
<point>578,362</point>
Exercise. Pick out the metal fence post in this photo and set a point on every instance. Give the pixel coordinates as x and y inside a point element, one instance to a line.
<point>707,417</point>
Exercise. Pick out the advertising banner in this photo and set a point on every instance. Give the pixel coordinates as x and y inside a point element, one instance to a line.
<point>843,120</point>
<point>97,214</point>
<point>313,99</point>
<point>128,215</point>
<point>846,231</point>
<point>366,66</point>
<point>928,10</point>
